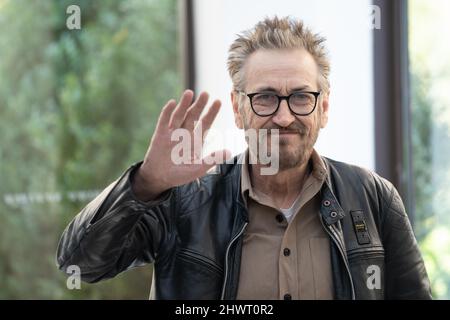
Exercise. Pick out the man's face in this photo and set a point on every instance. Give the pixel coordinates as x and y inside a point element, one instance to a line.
<point>283,72</point>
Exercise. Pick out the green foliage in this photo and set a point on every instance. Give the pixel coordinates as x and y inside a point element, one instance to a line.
<point>77,107</point>
<point>422,153</point>
<point>430,137</point>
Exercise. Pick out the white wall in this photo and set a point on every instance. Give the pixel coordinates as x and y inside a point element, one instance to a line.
<point>349,135</point>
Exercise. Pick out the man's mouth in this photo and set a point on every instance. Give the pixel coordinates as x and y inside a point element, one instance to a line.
<point>284,132</point>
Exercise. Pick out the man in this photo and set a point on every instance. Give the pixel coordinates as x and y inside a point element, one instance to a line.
<point>316,229</point>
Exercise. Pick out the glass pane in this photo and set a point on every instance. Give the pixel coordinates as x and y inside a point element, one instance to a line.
<point>429,26</point>
<point>77,107</point>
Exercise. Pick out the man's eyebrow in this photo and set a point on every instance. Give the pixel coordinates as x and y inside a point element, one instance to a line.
<point>302,88</point>
<point>272,89</point>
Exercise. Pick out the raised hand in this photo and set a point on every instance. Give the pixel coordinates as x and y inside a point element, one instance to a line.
<point>161,168</point>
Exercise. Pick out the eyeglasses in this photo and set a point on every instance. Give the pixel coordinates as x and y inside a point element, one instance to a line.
<point>301,103</point>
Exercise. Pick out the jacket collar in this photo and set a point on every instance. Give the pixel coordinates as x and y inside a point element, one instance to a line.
<point>330,208</point>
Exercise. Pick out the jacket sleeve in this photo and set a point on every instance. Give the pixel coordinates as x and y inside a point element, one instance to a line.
<point>115,231</point>
<point>406,276</point>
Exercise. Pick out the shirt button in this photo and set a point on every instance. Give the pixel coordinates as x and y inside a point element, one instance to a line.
<point>286,252</point>
<point>279,218</point>
<point>333,214</point>
<point>287,296</point>
<point>326,203</point>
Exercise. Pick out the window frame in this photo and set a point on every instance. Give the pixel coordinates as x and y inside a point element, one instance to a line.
<point>393,156</point>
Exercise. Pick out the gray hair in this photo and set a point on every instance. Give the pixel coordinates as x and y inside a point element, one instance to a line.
<point>276,33</point>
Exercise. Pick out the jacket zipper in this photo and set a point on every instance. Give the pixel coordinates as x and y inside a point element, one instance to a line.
<point>341,250</point>
<point>226,259</point>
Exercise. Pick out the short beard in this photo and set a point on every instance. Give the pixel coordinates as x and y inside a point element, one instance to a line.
<point>294,157</point>
<point>301,154</point>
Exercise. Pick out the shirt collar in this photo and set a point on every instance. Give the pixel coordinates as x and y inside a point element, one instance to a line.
<point>319,172</point>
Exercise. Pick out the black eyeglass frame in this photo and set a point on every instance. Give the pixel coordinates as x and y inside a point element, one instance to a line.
<point>281,98</point>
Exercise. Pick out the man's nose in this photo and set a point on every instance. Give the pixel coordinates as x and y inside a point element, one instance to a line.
<point>283,117</point>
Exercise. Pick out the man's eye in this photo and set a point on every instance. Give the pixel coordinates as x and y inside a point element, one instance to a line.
<point>301,96</point>
<point>264,98</point>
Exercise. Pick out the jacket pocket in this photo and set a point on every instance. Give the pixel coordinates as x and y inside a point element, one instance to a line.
<point>191,256</point>
<point>367,268</point>
<point>365,253</point>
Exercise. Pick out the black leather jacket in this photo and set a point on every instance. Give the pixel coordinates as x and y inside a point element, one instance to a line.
<point>193,235</point>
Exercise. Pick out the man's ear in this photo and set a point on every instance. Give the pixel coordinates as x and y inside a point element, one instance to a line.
<point>237,116</point>
<point>325,107</point>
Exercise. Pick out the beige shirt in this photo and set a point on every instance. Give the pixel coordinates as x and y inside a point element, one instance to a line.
<point>281,259</point>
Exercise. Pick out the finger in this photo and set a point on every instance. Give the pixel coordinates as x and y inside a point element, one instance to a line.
<point>195,111</point>
<point>208,119</point>
<point>166,112</point>
<point>178,115</point>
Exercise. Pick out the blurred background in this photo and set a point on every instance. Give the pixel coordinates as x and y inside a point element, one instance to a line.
<point>78,107</point>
